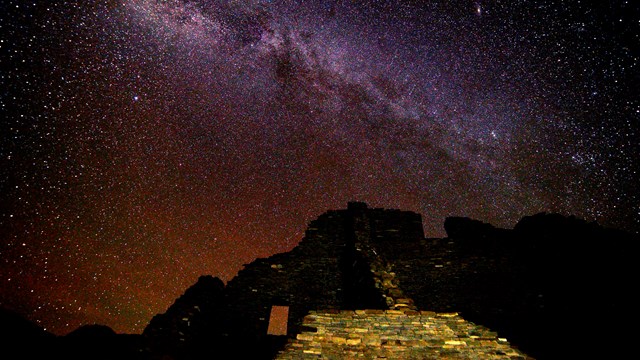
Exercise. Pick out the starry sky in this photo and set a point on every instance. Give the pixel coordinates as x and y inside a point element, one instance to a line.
<point>144,143</point>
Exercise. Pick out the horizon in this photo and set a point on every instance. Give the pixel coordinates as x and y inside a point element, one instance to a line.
<point>225,281</point>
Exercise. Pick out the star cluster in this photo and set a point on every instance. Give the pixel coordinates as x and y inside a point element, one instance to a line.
<point>145,142</point>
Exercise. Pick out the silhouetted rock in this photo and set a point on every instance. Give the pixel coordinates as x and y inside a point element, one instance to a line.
<point>477,236</point>
<point>91,332</point>
<point>21,338</point>
<point>579,269</point>
<point>466,228</point>
<point>193,326</point>
<point>102,343</point>
<point>15,326</point>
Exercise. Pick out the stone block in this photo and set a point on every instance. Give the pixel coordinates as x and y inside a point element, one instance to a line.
<point>447,315</point>
<point>394,312</point>
<point>455,342</point>
<point>304,337</point>
<point>312,351</point>
<point>371,340</point>
<point>374,311</point>
<point>338,340</point>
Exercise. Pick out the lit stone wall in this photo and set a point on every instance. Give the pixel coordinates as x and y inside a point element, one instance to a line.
<point>395,334</point>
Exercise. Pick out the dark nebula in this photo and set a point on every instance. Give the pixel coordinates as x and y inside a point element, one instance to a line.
<point>144,143</point>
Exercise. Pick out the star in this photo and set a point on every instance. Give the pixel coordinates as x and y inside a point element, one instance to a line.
<point>478,9</point>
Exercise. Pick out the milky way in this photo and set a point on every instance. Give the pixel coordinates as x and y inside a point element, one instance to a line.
<point>145,143</point>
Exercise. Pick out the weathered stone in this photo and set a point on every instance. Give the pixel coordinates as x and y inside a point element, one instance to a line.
<point>455,342</point>
<point>304,337</point>
<point>448,315</point>
<point>373,311</point>
<point>394,312</point>
<point>354,341</point>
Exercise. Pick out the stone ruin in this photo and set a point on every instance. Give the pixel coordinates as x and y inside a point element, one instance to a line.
<point>344,298</point>
<point>366,283</point>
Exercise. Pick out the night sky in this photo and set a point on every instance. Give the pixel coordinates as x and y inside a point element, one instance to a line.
<point>144,143</point>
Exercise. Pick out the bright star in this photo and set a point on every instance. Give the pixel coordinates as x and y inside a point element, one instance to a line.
<point>478,9</point>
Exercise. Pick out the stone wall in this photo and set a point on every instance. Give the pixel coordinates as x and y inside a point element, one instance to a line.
<point>327,270</point>
<point>308,277</point>
<point>387,240</point>
<point>333,268</point>
<point>395,334</point>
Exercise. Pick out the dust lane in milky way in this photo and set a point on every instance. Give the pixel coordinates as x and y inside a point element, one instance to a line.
<point>149,142</point>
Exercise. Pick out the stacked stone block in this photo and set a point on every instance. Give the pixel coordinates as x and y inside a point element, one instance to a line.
<point>395,334</point>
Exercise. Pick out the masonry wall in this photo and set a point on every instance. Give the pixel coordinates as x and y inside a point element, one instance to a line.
<point>325,271</point>
<point>395,334</point>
